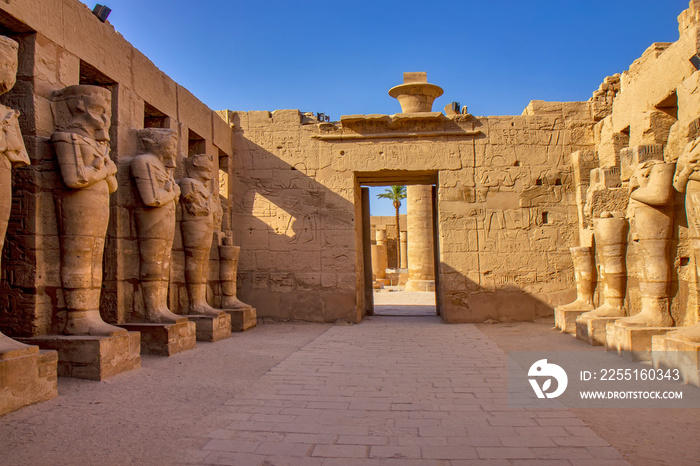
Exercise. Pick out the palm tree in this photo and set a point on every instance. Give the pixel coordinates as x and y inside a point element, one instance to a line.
<point>395,193</point>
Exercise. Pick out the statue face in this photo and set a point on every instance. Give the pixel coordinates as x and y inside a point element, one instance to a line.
<point>168,151</point>
<point>8,68</point>
<point>202,167</point>
<point>98,116</point>
<point>91,113</point>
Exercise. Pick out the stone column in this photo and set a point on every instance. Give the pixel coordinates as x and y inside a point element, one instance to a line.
<point>421,267</point>
<point>379,256</point>
<point>404,252</point>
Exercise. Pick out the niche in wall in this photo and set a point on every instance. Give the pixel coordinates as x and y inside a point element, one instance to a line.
<point>195,144</point>
<point>154,118</point>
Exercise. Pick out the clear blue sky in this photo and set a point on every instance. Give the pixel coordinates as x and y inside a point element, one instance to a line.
<point>340,58</point>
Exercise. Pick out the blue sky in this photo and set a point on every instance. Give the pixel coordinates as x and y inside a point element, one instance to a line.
<point>340,58</point>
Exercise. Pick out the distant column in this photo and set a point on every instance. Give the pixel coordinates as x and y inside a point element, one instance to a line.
<point>379,256</point>
<point>421,267</point>
<point>404,251</point>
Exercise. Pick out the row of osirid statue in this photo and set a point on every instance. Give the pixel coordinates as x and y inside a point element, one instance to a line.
<point>152,173</point>
<point>81,143</point>
<point>649,218</point>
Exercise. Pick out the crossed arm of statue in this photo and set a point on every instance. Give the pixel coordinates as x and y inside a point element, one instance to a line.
<point>154,182</point>
<point>71,153</point>
<point>194,198</point>
<point>11,143</point>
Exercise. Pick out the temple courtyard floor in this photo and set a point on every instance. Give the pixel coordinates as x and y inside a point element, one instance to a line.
<point>393,390</point>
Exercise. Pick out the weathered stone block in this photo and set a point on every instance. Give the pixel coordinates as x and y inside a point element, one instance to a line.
<point>286,117</point>
<point>630,157</point>
<point>93,358</point>
<point>565,319</point>
<point>153,85</point>
<point>27,378</point>
<point>607,200</point>
<point>192,111</point>
<point>242,319</point>
<point>210,328</point>
<point>165,339</point>
<point>633,343</point>
<point>604,178</point>
<point>583,162</point>
<point>670,353</point>
<point>593,331</point>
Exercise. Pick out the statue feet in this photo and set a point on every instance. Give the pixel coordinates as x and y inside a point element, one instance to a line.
<point>164,316</point>
<point>10,348</point>
<point>90,323</point>
<point>204,309</point>
<point>578,305</point>
<point>231,302</point>
<point>689,334</point>
<point>606,310</point>
<point>647,318</point>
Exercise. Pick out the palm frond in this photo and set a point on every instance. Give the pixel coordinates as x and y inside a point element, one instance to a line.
<point>395,193</point>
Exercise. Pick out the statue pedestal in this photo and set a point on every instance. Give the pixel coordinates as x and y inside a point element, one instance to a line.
<point>212,328</point>
<point>164,339</point>
<point>632,342</point>
<point>242,319</point>
<point>27,376</point>
<point>93,358</point>
<point>670,353</point>
<point>383,282</point>
<point>593,331</point>
<point>420,285</point>
<point>565,319</point>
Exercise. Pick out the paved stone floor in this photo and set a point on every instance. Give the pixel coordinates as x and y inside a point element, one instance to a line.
<point>395,391</point>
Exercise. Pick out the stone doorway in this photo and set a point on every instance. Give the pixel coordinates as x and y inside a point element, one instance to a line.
<point>405,284</point>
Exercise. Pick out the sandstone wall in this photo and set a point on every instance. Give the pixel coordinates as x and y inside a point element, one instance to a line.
<point>61,44</point>
<point>506,207</point>
<point>510,192</point>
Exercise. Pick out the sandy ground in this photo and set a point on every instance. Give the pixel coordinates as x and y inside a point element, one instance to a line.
<point>152,415</point>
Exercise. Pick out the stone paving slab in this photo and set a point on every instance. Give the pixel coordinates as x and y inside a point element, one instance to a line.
<point>394,390</point>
